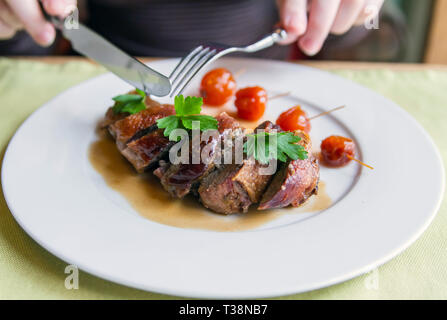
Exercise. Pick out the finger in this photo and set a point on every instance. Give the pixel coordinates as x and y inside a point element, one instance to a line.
<point>321,17</point>
<point>369,11</point>
<point>347,14</point>
<point>8,17</point>
<point>61,8</point>
<point>30,15</point>
<point>6,31</point>
<point>293,18</point>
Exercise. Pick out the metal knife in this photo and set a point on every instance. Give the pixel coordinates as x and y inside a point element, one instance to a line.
<point>128,68</point>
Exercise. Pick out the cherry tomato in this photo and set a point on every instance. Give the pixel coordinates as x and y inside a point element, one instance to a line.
<point>250,103</point>
<point>294,119</point>
<point>336,149</point>
<point>217,87</point>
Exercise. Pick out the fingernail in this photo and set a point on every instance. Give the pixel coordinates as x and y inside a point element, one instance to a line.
<point>47,35</point>
<point>287,20</point>
<point>309,46</point>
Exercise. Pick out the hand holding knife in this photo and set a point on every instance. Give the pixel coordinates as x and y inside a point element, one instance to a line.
<point>128,68</point>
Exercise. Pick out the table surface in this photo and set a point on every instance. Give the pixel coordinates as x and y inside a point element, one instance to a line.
<point>327,65</point>
<point>28,271</point>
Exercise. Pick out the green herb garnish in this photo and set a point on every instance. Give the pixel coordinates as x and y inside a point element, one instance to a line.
<point>130,103</point>
<point>186,111</point>
<point>286,146</point>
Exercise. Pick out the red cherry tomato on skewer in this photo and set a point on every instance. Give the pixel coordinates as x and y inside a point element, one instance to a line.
<point>250,103</point>
<point>337,151</point>
<point>217,87</point>
<point>294,119</point>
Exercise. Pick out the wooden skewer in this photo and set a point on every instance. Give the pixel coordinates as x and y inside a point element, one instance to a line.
<point>326,112</point>
<point>358,161</point>
<point>279,95</point>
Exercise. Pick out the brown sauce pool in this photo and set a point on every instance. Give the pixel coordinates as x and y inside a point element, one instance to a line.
<point>146,195</point>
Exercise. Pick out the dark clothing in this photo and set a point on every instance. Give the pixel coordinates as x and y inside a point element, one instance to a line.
<point>168,28</point>
<point>173,27</point>
<point>22,44</point>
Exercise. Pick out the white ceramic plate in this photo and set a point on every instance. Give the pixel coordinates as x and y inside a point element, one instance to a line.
<point>65,205</point>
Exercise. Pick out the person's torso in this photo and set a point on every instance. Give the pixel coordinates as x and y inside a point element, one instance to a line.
<point>173,27</point>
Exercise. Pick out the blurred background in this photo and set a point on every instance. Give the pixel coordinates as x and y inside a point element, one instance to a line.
<point>409,30</point>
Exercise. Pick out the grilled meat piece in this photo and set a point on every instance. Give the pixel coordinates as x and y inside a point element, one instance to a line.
<point>111,117</point>
<point>220,193</point>
<point>295,181</point>
<point>147,150</point>
<point>181,179</point>
<point>233,188</point>
<point>138,138</point>
<point>226,122</point>
<point>124,129</point>
<point>178,179</point>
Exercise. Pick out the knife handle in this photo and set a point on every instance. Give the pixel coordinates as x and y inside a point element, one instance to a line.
<point>56,21</point>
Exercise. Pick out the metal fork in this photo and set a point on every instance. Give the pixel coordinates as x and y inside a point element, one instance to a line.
<point>203,55</point>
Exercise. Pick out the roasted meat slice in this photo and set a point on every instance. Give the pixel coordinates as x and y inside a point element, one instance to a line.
<point>123,130</point>
<point>295,181</point>
<point>138,138</point>
<point>233,188</point>
<point>111,117</point>
<point>147,150</point>
<point>226,122</point>
<point>181,179</point>
<point>220,193</point>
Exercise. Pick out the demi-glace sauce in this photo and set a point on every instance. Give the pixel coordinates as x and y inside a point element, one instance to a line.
<point>146,195</point>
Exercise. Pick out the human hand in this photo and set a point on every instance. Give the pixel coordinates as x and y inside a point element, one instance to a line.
<point>325,16</point>
<point>16,15</point>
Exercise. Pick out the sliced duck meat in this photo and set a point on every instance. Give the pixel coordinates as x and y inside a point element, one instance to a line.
<point>233,188</point>
<point>294,182</point>
<point>226,122</point>
<point>220,193</point>
<point>124,129</point>
<point>111,117</point>
<point>268,126</point>
<point>161,170</point>
<point>181,179</point>
<point>146,151</point>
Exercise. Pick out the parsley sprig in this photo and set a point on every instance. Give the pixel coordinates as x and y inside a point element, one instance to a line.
<point>286,146</point>
<point>187,110</point>
<point>130,103</point>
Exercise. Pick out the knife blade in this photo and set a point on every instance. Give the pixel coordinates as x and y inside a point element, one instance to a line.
<point>92,45</point>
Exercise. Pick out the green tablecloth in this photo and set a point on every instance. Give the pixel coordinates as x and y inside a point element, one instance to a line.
<point>27,271</point>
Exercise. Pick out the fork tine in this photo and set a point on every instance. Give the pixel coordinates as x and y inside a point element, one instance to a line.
<point>181,85</point>
<point>187,65</point>
<point>185,59</point>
